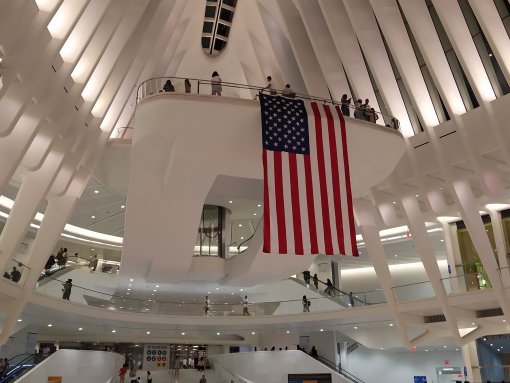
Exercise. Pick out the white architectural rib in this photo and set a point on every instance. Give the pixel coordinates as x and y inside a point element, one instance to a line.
<point>453,21</point>
<point>488,17</point>
<point>425,34</point>
<point>365,25</point>
<point>347,47</point>
<point>393,29</point>
<point>303,51</point>
<point>323,47</point>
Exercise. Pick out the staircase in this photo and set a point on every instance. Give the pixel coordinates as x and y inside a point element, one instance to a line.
<point>338,369</point>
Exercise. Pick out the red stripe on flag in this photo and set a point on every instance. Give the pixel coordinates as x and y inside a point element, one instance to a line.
<point>267,215</point>
<point>280,203</point>
<point>335,177</point>
<point>348,184</point>
<point>296,211</point>
<point>322,180</point>
<point>314,247</point>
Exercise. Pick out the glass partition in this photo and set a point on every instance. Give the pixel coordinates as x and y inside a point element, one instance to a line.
<point>210,236</point>
<point>413,291</point>
<point>16,272</point>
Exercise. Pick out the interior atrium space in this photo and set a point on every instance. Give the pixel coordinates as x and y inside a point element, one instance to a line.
<point>255,191</point>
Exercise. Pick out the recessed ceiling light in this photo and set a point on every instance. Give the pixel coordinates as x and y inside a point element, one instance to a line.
<point>259,205</point>
<point>442,240</point>
<point>229,201</point>
<point>254,213</point>
<point>391,324</point>
<point>253,333</point>
<point>129,289</point>
<point>152,294</point>
<point>154,290</point>
<point>417,195</point>
<point>240,225</point>
<point>114,330</point>
<point>122,206</point>
<point>131,280</point>
<point>427,350</point>
<point>242,237</point>
<point>492,344</point>
<point>50,325</point>
<point>218,333</point>
<point>504,320</point>
<point>288,332</point>
<point>382,348</point>
<point>130,285</point>
<point>157,286</point>
<point>127,293</point>
<point>355,327</point>
<point>321,330</point>
<point>485,339</point>
<point>80,329</point>
<point>183,333</point>
<point>20,320</point>
<point>241,289</point>
<point>92,249</point>
<point>445,346</point>
<point>394,202</point>
<point>217,288</point>
<point>232,293</point>
<point>473,324</point>
<point>96,191</point>
<point>208,292</point>
<point>93,217</point>
<point>396,255</point>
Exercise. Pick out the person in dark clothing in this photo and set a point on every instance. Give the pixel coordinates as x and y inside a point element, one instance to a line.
<point>67,289</point>
<point>273,348</point>
<point>351,299</point>
<point>15,275</point>
<point>168,87</point>
<point>50,262</point>
<point>346,111</point>
<point>187,86</point>
<point>329,287</point>
<point>307,276</point>
<point>93,264</point>
<point>313,352</point>
<point>316,281</point>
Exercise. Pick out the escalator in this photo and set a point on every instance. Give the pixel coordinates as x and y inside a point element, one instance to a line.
<point>24,363</point>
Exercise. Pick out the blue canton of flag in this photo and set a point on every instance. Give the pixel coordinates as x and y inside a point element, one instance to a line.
<point>284,125</point>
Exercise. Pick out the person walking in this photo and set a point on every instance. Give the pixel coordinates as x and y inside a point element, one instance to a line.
<point>351,299</point>
<point>307,276</point>
<point>245,306</point>
<point>67,289</point>
<point>306,304</point>
<point>216,84</point>
<point>122,373</point>
<point>149,377</point>
<point>346,110</point>
<point>329,287</point>
<point>93,264</point>
<point>316,281</point>
<point>177,367</point>
<point>207,307</point>
<point>313,352</point>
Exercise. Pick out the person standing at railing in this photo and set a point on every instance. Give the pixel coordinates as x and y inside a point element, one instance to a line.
<point>329,287</point>
<point>187,86</point>
<point>93,264</point>
<point>307,277</point>
<point>373,117</point>
<point>351,299</point>
<point>207,307</point>
<point>288,92</point>
<point>366,110</point>
<point>306,304</point>
<point>67,289</point>
<point>358,111</point>
<point>316,281</point>
<point>270,86</point>
<point>168,87</point>
<point>346,111</point>
<point>313,352</point>
<point>216,84</point>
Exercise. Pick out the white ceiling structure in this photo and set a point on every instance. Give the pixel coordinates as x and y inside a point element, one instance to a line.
<point>70,70</point>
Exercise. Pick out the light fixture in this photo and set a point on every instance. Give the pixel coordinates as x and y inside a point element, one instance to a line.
<point>426,350</point>
<point>321,330</point>
<point>253,333</point>
<point>229,201</point>
<point>391,324</point>
<point>183,333</point>
<point>232,293</point>
<point>93,217</point>
<point>504,320</point>
<point>241,289</point>
<point>130,285</point>
<point>20,320</point>
<point>242,237</point>
<point>445,346</point>
<point>417,195</point>
<point>355,327</point>
<point>217,288</point>
<point>492,345</point>
<point>80,329</point>
<point>394,202</point>
<point>131,280</point>
<point>382,348</point>
<point>122,206</point>
<point>128,289</point>
<point>208,292</point>
<point>50,325</point>
<point>157,286</point>
<point>114,331</point>
<point>218,333</point>
<point>259,205</point>
<point>96,191</point>
<point>154,290</point>
<point>473,324</point>
<point>148,332</point>
<point>288,332</point>
<point>396,255</point>
<point>240,225</point>
<point>254,213</point>
<point>128,294</point>
<point>442,240</point>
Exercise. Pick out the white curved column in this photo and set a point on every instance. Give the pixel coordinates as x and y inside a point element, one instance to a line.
<point>324,47</point>
<point>392,26</point>
<point>347,47</point>
<point>453,21</point>
<point>365,25</point>
<point>488,17</point>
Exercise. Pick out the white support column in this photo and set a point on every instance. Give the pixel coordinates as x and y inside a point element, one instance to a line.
<point>499,237</point>
<point>452,256</point>
<point>347,47</point>
<point>367,31</point>
<point>324,47</point>
<point>453,21</point>
<point>55,218</point>
<point>471,217</point>
<point>488,17</point>
<point>470,356</point>
<point>395,33</point>
<point>370,233</point>
<point>416,224</point>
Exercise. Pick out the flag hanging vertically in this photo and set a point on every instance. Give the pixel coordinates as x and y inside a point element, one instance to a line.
<point>307,189</point>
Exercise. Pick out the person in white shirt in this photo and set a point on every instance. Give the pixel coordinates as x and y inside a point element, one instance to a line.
<point>270,86</point>
<point>245,306</point>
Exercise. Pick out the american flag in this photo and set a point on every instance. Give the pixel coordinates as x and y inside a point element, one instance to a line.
<point>307,190</point>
